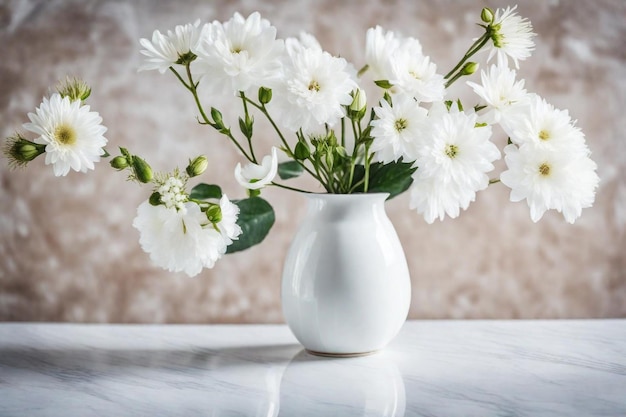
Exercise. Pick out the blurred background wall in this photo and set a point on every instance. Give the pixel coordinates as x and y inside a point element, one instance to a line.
<point>67,248</point>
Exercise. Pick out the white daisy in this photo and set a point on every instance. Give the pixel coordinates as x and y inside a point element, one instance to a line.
<point>228,226</point>
<point>397,129</point>
<point>548,179</point>
<point>453,161</point>
<point>178,239</point>
<point>539,123</point>
<point>313,92</point>
<point>253,176</point>
<point>379,45</point>
<point>165,51</point>
<point>73,135</point>
<point>511,37</point>
<point>412,73</point>
<point>500,92</point>
<point>239,55</point>
<point>304,41</point>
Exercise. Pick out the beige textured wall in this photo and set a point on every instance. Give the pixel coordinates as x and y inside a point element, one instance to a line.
<point>68,252</point>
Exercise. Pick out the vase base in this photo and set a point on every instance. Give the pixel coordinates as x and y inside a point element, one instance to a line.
<point>341,355</point>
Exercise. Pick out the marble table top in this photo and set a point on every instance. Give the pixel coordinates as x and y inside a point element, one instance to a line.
<point>433,368</point>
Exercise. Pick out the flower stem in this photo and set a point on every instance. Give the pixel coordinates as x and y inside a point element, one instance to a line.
<point>476,46</point>
<point>286,187</point>
<point>247,115</point>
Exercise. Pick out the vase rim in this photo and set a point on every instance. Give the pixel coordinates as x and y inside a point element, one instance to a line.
<point>332,196</point>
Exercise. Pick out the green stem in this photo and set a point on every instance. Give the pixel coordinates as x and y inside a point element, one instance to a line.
<point>476,46</point>
<point>286,187</point>
<point>192,87</point>
<point>494,181</point>
<point>247,115</point>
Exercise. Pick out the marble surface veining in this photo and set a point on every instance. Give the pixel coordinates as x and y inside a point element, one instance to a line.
<point>433,368</point>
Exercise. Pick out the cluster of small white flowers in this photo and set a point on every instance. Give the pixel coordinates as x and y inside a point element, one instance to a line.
<point>172,193</point>
<point>178,235</point>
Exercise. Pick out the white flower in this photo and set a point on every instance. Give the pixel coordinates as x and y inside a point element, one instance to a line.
<point>500,92</point>
<point>548,179</point>
<point>512,37</point>
<point>378,48</point>
<point>239,55</point>
<point>165,51</point>
<point>414,74</point>
<point>73,135</point>
<point>253,176</point>
<point>172,193</point>
<point>228,226</point>
<point>313,92</point>
<point>178,240</point>
<point>397,129</point>
<point>304,41</point>
<point>453,162</point>
<point>541,124</point>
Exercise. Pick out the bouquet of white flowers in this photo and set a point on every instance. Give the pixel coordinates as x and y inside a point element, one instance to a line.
<point>413,137</point>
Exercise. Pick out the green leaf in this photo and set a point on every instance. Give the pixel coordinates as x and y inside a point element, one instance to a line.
<point>383,84</point>
<point>301,151</point>
<point>393,178</point>
<point>289,169</point>
<point>205,191</point>
<point>256,218</point>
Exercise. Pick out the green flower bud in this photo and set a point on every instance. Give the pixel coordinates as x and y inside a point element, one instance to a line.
<point>486,15</point>
<point>214,213</point>
<point>155,199</point>
<point>217,118</point>
<point>265,95</point>
<point>357,108</point>
<point>74,88</point>
<point>119,163</point>
<point>142,170</point>
<point>20,151</point>
<point>469,68</point>
<point>197,166</point>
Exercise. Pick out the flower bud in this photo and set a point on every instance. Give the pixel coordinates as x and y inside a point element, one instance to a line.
<point>265,95</point>
<point>469,68</point>
<point>217,118</point>
<point>21,151</point>
<point>74,88</point>
<point>155,198</point>
<point>197,166</point>
<point>119,163</point>
<point>486,15</point>
<point>357,108</point>
<point>142,170</point>
<point>214,213</point>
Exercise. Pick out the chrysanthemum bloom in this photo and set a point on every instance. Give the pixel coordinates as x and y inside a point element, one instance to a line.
<point>412,73</point>
<point>541,124</point>
<point>174,48</point>
<point>511,37</point>
<point>549,179</point>
<point>228,226</point>
<point>239,55</point>
<point>397,129</point>
<point>178,239</point>
<point>73,135</point>
<point>453,161</point>
<point>500,92</point>
<point>313,91</point>
<point>378,48</point>
<point>253,176</point>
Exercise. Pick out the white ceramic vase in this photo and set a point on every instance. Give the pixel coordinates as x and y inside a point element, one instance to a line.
<point>345,288</point>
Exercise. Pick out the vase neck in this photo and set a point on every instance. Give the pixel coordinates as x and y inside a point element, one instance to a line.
<point>345,206</point>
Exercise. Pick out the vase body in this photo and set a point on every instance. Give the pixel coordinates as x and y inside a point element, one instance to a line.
<point>345,288</point>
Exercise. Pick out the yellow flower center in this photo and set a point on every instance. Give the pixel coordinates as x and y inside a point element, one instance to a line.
<point>544,169</point>
<point>401,124</point>
<point>543,135</point>
<point>65,134</point>
<point>314,85</point>
<point>451,151</point>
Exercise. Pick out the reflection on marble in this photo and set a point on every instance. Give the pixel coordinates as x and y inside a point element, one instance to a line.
<point>433,368</point>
